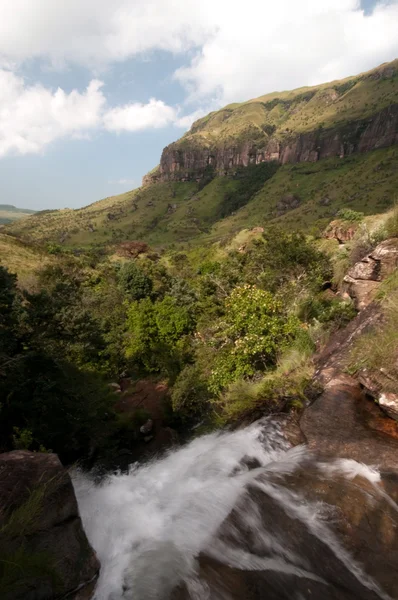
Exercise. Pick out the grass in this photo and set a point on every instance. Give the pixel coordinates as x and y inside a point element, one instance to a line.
<point>283,388</point>
<point>378,349</point>
<point>9,213</point>
<point>178,214</point>
<point>278,114</point>
<point>21,258</point>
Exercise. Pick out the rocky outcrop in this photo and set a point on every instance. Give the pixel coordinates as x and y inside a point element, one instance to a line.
<point>342,231</point>
<point>363,279</point>
<point>44,551</point>
<point>187,160</point>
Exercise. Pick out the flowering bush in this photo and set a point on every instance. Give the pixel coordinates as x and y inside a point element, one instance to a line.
<point>253,331</point>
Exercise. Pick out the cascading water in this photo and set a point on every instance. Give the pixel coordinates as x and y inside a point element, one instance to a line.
<point>187,525</point>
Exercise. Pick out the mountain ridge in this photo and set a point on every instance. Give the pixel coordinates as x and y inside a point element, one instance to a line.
<point>306,124</point>
<point>314,172</point>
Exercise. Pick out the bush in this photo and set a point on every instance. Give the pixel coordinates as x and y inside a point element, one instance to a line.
<point>134,281</point>
<point>250,335</point>
<point>190,394</point>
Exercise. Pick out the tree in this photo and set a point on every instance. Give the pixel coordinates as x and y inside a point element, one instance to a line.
<point>134,281</point>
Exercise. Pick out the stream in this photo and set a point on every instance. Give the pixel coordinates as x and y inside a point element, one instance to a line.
<point>220,519</point>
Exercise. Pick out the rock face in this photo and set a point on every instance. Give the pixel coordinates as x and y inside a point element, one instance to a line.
<point>192,160</point>
<point>45,551</point>
<point>363,280</point>
<point>340,231</point>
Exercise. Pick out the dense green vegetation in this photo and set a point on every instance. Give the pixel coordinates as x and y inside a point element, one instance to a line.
<point>203,321</point>
<point>182,213</point>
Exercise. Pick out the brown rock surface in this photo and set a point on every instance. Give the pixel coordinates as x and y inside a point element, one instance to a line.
<point>41,533</point>
<point>190,161</point>
<point>363,279</point>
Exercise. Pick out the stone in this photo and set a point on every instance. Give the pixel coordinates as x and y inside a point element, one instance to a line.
<point>363,279</point>
<point>40,522</point>
<point>388,401</point>
<point>147,427</point>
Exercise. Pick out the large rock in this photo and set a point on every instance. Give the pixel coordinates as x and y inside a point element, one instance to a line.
<point>44,551</point>
<point>363,280</point>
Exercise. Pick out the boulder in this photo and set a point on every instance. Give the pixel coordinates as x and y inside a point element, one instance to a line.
<point>44,551</point>
<point>363,279</point>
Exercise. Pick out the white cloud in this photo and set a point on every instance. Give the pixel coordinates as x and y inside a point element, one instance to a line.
<point>33,116</point>
<point>235,52</point>
<point>241,51</point>
<point>135,117</point>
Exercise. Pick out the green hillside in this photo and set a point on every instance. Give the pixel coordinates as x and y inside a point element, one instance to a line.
<point>305,195</point>
<point>304,109</point>
<point>174,212</point>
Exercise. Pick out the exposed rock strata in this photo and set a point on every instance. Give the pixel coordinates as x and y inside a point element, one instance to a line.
<point>192,160</point>
<point>41,530</point>
<point>363,280</point>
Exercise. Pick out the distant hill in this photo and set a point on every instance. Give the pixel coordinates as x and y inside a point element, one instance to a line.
<point>10,213</point>
<point>288,158</point>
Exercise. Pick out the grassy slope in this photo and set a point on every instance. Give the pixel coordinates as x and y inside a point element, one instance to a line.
<point>166,213</point>
<point>21,259</point>
<point>9,213</point>
<point>280,113</point>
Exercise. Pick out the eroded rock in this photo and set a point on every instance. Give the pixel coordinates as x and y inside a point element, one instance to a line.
<point>363,279</point>
<point>44,551</point>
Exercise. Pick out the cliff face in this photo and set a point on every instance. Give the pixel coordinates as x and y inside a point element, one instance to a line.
<point>357,114</point>
<point>187,163</point>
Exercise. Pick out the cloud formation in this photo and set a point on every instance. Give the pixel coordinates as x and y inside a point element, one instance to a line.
<point>135,117</point>
<point>31,117</point>
<point>233,52</point>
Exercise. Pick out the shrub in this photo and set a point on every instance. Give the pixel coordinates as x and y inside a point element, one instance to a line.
<point>250,335</point>
<point>134,281</point>
<point>190,394</point>
<point>347,214</point>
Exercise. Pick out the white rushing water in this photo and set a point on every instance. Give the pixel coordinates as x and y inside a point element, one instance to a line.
<point>149,526</point>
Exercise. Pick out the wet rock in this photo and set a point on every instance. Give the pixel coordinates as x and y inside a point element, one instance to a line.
<point>40,530</point>
<point>275,544</point>
<point>342,422</point>
<point>147,427</point>
<point>363,280</point>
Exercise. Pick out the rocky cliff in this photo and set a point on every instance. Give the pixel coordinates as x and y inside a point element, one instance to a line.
<point>358,114</point>
<point>44,552</point>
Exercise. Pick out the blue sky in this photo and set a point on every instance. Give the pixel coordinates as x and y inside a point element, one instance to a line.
<point>131,77</point>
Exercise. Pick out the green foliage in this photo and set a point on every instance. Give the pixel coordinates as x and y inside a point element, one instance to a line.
<point>157,333</point>
<point>352,216</point>
<point>190,395</point>
<point>250,180</point>
<point>134,281</point>
<point>391,225</point>
<point>326,309</point>
<point>252,331</point>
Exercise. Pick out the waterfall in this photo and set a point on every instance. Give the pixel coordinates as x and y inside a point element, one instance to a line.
<point>184,525</point>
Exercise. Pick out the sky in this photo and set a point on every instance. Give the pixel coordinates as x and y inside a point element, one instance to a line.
<point>91,91</point>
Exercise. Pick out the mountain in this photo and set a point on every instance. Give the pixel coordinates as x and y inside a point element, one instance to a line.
<point>356,114</point>
<point>10,213</point>
<point>292,158</point>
